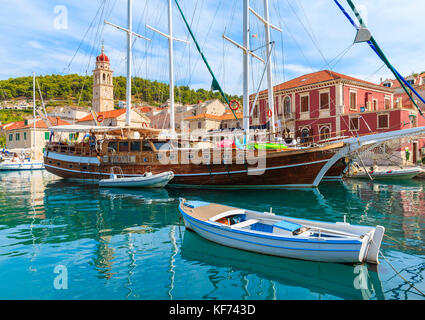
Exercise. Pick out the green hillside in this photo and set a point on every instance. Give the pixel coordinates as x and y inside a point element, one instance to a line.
<point>73,89</point>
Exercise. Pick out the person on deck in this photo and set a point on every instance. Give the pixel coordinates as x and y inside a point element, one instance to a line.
<point>92,141</point>
<point>226,143</point>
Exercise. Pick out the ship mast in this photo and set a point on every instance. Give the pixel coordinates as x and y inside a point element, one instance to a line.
<point>269,66</point>
<point>129,59</point>
<point>246,67</point>
<point>171,65</point>
<point>267,25</point>
<point>33,106</point>
<point>171,39</point>
<point>130,35</point>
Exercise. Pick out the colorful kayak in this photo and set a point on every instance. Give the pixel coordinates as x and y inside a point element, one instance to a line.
<point>269,146</point>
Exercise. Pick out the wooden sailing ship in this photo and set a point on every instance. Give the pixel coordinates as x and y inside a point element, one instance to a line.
<point>209,167</point>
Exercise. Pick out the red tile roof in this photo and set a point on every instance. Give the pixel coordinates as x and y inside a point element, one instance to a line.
<point>314,78</point>
<point>204,116</point>
<point>14,125</point>
<point>40,124</point>
<point>145,109</point>
<point>55,121</point>
<point>226,116</point>
<point>106,115</point>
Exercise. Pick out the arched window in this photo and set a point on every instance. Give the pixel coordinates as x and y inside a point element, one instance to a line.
<point>324,132</point>
<point>287,105</point>
<point>104,77</point>
<point>109,79</point>
<point>280,108</point>
<point>305,134</point>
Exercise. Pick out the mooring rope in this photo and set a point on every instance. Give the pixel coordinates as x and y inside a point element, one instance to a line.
<point>393,239</point>
<point>399,274</point>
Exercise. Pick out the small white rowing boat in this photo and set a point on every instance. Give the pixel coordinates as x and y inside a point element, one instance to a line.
<point>148,180</point>
<point>26,164</point>
<point>404,173</point>
<point>271,234</point>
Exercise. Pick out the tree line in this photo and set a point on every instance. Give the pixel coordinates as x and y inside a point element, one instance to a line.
<point>75,89</point>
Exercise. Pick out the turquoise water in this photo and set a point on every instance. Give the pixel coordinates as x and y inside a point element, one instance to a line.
<point>127,244</point>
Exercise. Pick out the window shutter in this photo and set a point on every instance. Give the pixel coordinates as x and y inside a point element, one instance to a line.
<point>324,101</point>
<point>354,124</point>
<point>383,121</point>
<point>304,104</point>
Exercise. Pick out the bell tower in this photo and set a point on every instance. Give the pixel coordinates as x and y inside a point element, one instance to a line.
<point>103,88</point>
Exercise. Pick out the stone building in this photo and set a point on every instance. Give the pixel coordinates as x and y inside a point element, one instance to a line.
<point>211,122</point>
<point>68,113</point>
<point>103,88</point>
<point>20,135</point>
<point>326,104</point>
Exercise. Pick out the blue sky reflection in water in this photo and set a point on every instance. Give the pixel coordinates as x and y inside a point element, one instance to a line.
<point>130,244</point>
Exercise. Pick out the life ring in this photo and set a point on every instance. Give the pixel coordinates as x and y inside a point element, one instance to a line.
<point>100,118</point>
<point>144,125</point>
<point>237,105</point>
<point>269,113</point>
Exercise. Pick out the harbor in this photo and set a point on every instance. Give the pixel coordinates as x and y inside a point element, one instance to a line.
<point>286,179</point>
<point>132,244</point>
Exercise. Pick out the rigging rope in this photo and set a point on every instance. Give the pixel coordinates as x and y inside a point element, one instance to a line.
<point>82,40</point>
<point>375,47</point>
<point>311,35</point>
<point>215,82</point>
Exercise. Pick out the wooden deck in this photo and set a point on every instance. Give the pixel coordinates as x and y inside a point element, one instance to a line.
<point>204,213</point>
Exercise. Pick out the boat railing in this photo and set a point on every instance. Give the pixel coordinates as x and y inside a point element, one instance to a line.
<point>81,149</point>
<point>321,138</point>
<point>117,171</point>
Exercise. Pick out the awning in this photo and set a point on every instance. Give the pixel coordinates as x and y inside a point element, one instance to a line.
<point>113,130</point>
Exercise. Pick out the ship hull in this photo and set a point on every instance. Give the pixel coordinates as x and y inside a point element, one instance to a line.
<point>336,172</point>
<point>297,169</point>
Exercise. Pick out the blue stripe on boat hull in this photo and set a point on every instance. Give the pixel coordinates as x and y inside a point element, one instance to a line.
<point>347,253</point>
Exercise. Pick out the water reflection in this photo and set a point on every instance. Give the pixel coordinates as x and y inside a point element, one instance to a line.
<point>342,281</point>
<point>147,195</point>
<point>400,207</point>
<point>133,242</point>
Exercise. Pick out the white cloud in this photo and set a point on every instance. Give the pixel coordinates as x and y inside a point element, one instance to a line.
<point>397,26</point>
<point>35,44</point>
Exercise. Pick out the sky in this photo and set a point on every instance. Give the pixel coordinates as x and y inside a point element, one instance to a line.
<point>64,37</point>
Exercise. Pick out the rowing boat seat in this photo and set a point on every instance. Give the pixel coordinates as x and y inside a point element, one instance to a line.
<point>195,204</point>
<point>245,223</point>
<point>288,226</point>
